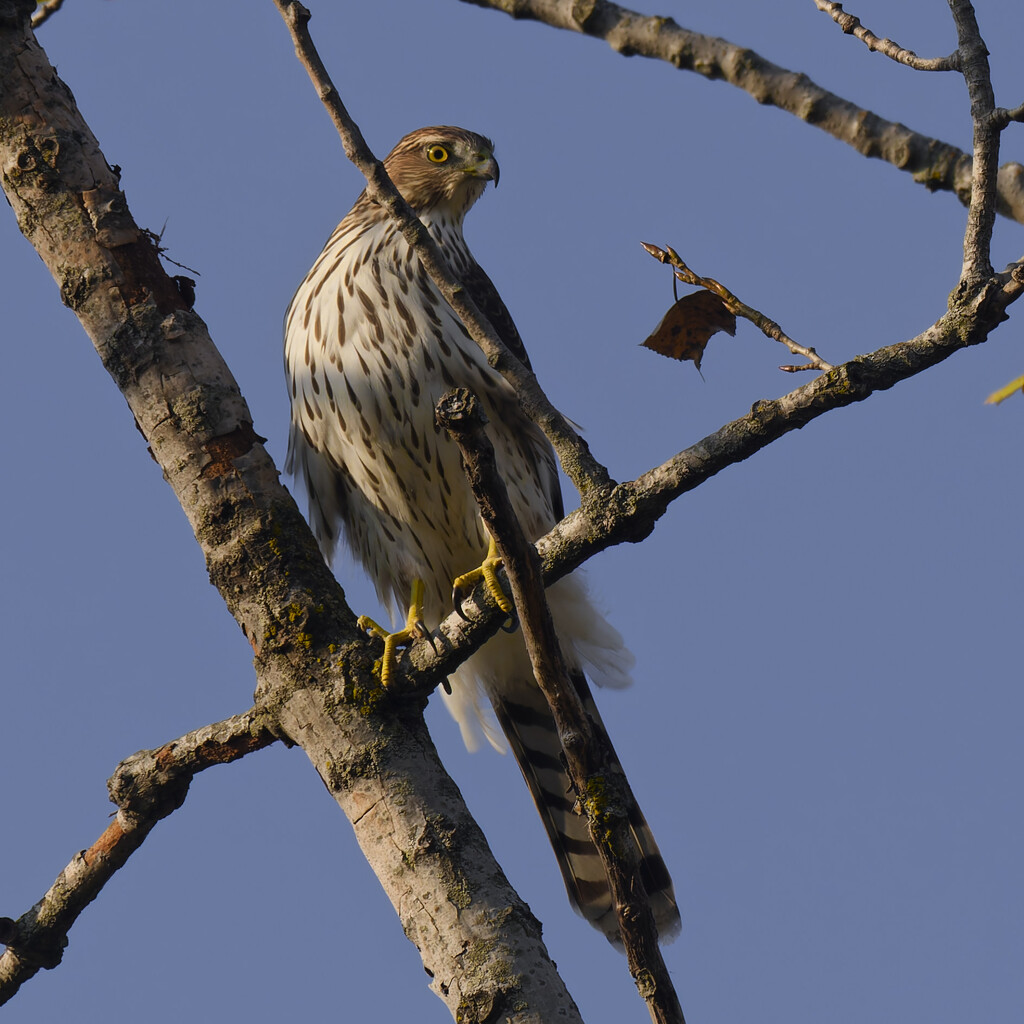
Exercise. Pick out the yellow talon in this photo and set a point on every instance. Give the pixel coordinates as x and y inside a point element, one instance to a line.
<point>488,571</point>
<point>415,629</point>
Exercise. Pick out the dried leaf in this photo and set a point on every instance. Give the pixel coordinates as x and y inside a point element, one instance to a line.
<point>685,329</point>
<point>1004,392</point>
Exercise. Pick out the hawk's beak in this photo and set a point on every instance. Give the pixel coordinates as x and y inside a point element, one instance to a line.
<point>486,167</point>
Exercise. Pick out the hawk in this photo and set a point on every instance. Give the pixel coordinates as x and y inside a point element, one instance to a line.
<point>370,346</point>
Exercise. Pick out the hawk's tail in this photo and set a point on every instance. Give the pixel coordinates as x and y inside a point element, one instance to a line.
<point>526,721</point>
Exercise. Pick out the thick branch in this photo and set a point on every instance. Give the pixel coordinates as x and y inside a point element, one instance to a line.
<point>587,751</point>
<point>934,164</point>
<point>146,787</point>
<point>579,464</point>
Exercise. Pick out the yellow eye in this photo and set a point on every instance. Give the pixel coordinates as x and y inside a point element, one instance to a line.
<point>437,154</point>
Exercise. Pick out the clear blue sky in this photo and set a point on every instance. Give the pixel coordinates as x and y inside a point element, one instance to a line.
<point>825,729</point>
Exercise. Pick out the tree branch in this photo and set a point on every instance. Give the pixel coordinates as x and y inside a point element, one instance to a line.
<point>629,511</point>
<point>936,165</point>
<point>1001,117</point>
<point>852,26</point>
<point>981,211</point>
<point>147,787</point>
<point>588,753</point>
<point>579,464</point>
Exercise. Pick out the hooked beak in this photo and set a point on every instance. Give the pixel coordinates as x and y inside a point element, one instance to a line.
<point>486,167</point>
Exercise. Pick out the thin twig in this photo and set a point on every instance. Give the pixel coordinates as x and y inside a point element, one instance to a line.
<point>147,786</point>
<point>579,464</point>
<point>587,750</point>
<point>767,326</point>
<point>851,25</point>
<point>932,163</point>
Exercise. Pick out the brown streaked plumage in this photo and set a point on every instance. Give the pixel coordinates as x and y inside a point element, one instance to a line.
<point>370,345</point>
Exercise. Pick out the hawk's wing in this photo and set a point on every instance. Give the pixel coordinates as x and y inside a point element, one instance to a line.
<point>485,295</point>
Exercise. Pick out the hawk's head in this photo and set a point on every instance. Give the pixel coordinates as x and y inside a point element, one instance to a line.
<point>442,167</point>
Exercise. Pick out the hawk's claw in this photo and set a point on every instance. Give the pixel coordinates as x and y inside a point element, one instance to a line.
<point>415,629</point>
<point>488,572</point>
<point>458,596</point>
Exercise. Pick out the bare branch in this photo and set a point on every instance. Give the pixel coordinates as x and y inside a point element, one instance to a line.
<point>579,464</point>
<point>936,165</point>
<point>628,512</point>
<point>588,753</point>
<point>146,787</point>
<point>852,26</point>
<point>146,783</point>
<point>981,211</point>
<point>764,324</point>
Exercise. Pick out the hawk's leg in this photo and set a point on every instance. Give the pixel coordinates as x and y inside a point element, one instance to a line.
<point>414,630</point>
<point>488,572</point>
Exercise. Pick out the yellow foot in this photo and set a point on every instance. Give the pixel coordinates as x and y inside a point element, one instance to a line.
<point>488,572</point>
<point>414,630</point>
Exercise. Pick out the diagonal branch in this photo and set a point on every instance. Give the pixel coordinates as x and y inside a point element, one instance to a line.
<point>851,25</point>
<point>587,751</point>
<point>147,787</point>
<point>579,464</point>
<point>934,164</point>
<point>629,512</point>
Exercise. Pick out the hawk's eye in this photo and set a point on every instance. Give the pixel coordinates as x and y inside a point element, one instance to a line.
<point>437,154</point>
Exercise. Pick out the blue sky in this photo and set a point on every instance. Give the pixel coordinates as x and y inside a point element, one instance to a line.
<point>825,728</point>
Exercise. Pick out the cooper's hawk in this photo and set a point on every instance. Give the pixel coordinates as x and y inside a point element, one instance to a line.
<point>370,346</point>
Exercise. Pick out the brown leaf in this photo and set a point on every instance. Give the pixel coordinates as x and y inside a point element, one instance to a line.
<point>685,329</point>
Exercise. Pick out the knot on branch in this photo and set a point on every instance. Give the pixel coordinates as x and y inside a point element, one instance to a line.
<point>223,450</point>
<point>151,783</point>
<point>38,951</point>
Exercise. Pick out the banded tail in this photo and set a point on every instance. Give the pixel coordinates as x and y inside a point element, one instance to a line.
<point>526,720</point>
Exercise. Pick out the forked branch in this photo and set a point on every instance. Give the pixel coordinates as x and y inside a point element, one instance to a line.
<point>146,787</point>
